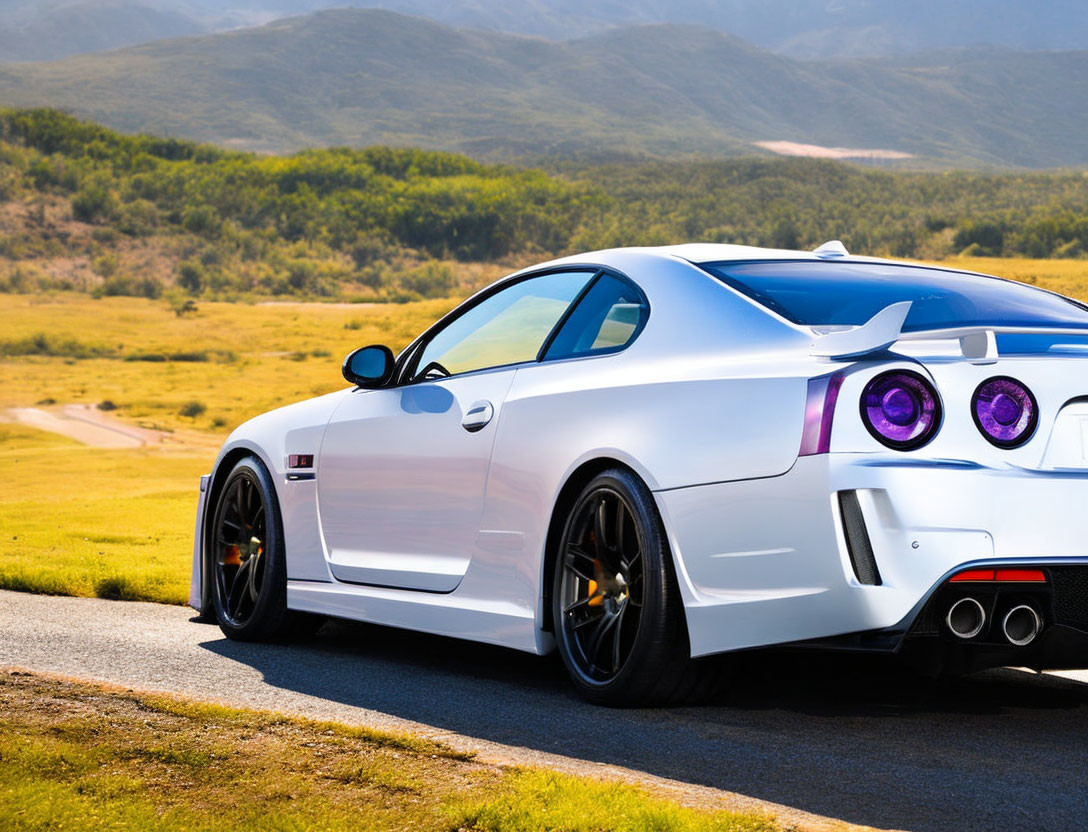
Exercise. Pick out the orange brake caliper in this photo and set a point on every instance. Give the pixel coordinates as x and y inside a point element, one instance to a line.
<point>595,598</point>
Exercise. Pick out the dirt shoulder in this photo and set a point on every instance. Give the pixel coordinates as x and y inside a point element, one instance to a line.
<point>87,756</point>
<point>88,425</point>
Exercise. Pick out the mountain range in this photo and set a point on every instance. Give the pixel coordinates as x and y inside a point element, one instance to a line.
<point>50,29</point>
<point>357,77</point>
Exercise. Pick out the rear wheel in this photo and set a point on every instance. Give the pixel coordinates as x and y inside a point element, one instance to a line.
<point>618,616</point>
<point>247,562</point>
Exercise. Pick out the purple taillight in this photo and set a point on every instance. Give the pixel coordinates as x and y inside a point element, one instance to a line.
<point>1005,411</point>
<point>823,391</point>
<point>901,409</point>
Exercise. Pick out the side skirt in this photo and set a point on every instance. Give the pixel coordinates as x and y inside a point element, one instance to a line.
<point>490,622</point>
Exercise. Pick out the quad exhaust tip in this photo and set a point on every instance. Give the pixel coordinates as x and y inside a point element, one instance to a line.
<point>966,618</point>
<point>1021,625</point>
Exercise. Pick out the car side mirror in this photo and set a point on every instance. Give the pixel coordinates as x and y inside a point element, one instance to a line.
<point>370,366</point>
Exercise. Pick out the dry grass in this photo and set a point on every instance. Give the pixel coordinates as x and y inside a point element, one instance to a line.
<point>82,757</point>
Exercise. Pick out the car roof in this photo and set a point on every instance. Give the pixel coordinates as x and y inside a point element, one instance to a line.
<point>698,253</point>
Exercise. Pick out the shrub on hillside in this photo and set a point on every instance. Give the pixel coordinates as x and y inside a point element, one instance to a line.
<point>191,277</point>
<point>105,265</point>
<point>94,204</point>
<point>432,279</point>
<point>202,220</point>
<point>126,285</point>
<point>138,218</point>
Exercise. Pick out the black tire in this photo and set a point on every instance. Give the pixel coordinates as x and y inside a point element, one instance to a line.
<point>247,564</point>
<point>612,659</point>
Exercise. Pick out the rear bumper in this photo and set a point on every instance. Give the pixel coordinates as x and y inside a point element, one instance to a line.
<point>924,637</point>
<point>1061,603</point>
<point>766,561</point>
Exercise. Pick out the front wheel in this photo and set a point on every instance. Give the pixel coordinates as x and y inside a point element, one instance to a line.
<point>247,563</point>
<point>619,621</point>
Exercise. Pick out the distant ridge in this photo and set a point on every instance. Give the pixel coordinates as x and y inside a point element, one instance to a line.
<point>52,29</point>
<point>358,77</point>
<point>800,28</point>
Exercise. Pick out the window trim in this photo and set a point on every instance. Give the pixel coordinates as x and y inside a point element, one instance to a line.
<point>566,315</point>
<point>408,360</point>
<point>643,302</point>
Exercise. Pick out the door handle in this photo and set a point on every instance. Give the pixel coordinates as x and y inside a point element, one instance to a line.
<point>477,417</point>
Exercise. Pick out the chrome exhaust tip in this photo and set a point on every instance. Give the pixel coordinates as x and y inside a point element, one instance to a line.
<point>966,618</point>
<point>1021,625</point>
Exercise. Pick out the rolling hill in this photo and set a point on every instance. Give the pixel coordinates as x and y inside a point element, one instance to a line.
<point>85,208</point>
<point>802,28</point>
<point>56,28</point>
<point>359,77</point>
<point>52,29</point>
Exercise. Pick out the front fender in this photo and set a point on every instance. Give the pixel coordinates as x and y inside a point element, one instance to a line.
<point>271,437</point>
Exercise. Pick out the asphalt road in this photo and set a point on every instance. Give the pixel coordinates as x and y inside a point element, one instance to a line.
<point>839,737</point>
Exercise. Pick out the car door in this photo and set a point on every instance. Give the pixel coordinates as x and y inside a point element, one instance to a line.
<point>402,471</point>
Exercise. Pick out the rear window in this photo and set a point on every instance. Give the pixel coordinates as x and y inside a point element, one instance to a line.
<point>817,293</point>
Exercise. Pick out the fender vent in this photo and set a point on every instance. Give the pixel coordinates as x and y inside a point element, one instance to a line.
<point>857,540</point>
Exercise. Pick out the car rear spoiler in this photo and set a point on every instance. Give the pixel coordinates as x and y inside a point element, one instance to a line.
<point>977,343</point>
<point>878,333</point>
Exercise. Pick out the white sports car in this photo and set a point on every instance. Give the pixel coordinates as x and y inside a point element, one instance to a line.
<point>645,456</point>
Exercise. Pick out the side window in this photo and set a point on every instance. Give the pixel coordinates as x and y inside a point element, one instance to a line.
<point>507,328</point>
<point>607,319</point>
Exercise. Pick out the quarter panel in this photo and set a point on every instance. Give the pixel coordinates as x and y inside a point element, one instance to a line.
<point>683,429</point>
<point>760,561</point>
<point>662,421</point>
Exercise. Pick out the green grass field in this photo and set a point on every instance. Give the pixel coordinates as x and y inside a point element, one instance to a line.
<point>118,523</point>
<point>82,757</point>
<point>88,521</point>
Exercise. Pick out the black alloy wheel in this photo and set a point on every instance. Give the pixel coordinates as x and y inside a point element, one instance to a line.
<point>602,586</point>
<point>246,556</point>
<point>618,618</point>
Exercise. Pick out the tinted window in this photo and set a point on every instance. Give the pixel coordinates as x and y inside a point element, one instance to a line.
<point>507,328</point>
<point>606,319</point>
<point>818,293</point>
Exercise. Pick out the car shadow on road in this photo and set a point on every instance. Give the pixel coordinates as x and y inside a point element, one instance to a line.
<point>851,737</point>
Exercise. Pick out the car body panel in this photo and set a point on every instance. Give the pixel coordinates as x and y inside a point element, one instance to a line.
<point>765,562</point>
<point>402,483</point>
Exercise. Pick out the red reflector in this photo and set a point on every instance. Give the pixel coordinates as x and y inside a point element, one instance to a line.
<point>973,575</point>
<point>1033,575</point>
<point>1009,575</point>
<point>300,461</point>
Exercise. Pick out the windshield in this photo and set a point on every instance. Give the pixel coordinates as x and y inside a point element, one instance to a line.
<point>817,293</point>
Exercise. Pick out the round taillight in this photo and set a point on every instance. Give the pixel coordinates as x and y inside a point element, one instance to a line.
<point>1005,411</point>
<point>901,409</point>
